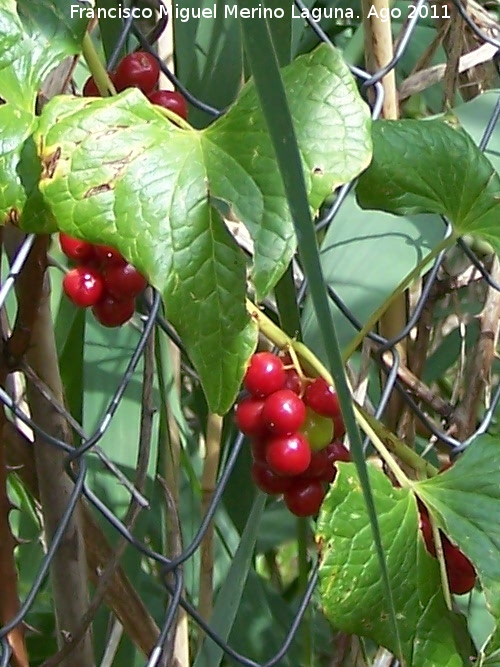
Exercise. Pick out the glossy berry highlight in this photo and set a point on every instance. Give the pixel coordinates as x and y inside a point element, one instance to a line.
<point>283,412</point>
<point>265,375</point>
<point>84,286</point>
<point>288,455</point>
<point>108,256</point>
<point>137,70</point>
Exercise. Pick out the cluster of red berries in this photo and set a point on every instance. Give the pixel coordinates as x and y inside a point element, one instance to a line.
<point>460,571</point>
<point>102,280</point>
<point>294,426</point>
<point>141,70</point>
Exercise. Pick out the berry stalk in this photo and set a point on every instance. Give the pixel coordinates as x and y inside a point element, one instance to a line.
<point>97,69</point>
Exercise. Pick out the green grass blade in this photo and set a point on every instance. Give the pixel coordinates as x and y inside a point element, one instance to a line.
<point>281,29</point>
<point>228,599</point>
<point>286,301</point>
<point>269,85</point>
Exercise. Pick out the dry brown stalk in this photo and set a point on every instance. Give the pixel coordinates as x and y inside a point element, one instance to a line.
<point>208,484</point>
<point>480,359</point>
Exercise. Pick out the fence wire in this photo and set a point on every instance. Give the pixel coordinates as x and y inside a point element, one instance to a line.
<point>151,317</point>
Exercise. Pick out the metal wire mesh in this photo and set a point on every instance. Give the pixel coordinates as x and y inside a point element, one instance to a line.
<point>170,568</point>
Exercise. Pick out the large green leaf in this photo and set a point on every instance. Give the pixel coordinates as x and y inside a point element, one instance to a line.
<point>332,126</point>
<point>465,501</point>
<point>350,585</point>
<point>34,38</point>
<point>116,171</point>
<point>432,167</point>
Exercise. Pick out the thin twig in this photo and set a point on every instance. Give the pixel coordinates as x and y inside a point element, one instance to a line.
<point>419,389</point>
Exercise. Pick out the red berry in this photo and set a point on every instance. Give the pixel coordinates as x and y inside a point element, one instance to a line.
<point>320,467</point>
<point>123,281</point>
<point>334,452</point>
<point>461,572</point>
<point>106,255</point>
<point>293,381</point>
<point>76,249</point>
<point>338,452</point>
<point>305,497</point>
<point>248,416</point>
<point>170,99</point>
<point>266,480</point>
<point>83,285</point>
<point>90,88</point>
<point>112,313</point>
<point>321,398</point>
<point>288,455</point>
<point>137,70</point>
<point>264,375</point>
<point>426,530</point>
<point>283,412</point>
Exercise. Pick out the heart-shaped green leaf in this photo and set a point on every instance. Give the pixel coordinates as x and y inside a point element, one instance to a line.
<point>351,590</point>
<point>432,167</point>
<point>465,501</point>
<point>34,38</point>
<point>332,124</point>
<point>116,171</point>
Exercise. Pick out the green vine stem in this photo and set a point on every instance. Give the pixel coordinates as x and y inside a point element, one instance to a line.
<point>384,441</point>
<point>101,77</point>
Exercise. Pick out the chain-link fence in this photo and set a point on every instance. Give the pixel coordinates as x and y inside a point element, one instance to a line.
<point>151,319</point>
